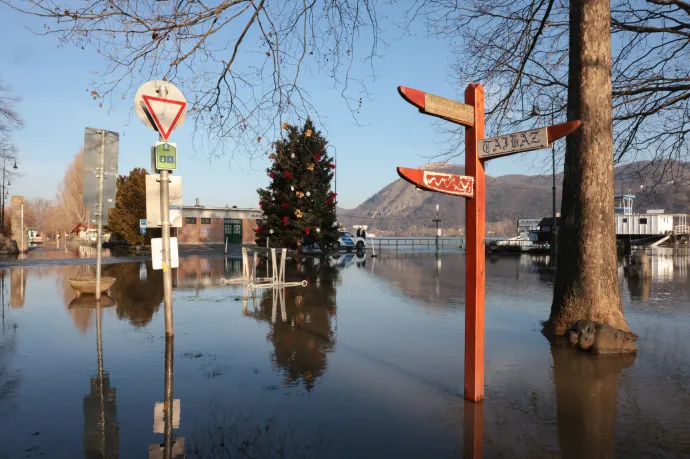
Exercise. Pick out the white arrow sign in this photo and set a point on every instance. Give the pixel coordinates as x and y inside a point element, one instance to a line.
<point>160,106</point>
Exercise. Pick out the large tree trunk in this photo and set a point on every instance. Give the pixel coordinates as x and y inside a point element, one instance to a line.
<point>587,285</point>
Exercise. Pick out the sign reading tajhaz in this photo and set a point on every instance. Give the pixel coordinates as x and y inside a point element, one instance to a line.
<point>534,139</point>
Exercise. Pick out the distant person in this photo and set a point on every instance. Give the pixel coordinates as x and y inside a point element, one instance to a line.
<point>364,234</point>
<point>359,232</point>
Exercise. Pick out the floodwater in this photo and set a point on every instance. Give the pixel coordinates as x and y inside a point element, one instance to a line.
<point>364,362</point>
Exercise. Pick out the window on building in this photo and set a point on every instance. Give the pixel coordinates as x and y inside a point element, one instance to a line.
<point>205,221</point>
<point>625,220</point>
<point>643,220</point>
<point>190,221</point>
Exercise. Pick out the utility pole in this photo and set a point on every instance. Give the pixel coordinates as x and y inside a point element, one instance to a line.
<point>100,172</point>
<point>438,231</point>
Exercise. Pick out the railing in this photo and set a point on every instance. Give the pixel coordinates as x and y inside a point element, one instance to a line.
<point>681,229</point>
<point>416,243</point>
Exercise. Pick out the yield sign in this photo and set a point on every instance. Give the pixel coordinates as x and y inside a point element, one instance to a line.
<point>160,106</point>
<point>165,113</point>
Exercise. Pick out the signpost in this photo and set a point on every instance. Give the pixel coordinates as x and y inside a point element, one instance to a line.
<point>473,187</point>
<point>100,170</point>
<point>162,107</point>
<point>142,226</point>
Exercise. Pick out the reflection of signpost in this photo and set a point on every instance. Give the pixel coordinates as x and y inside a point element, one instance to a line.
<point>100,171</point>
<point>473,187</point>
<point>142,226</point>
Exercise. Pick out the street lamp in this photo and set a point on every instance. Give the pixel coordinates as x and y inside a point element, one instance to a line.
<point>438,231</point>
<point>554,225</point>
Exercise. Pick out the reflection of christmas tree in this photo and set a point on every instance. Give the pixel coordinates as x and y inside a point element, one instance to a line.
<point>301,344</point>
<point>299,202</point>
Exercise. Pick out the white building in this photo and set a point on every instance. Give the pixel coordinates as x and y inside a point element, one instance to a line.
<point>653,223</point>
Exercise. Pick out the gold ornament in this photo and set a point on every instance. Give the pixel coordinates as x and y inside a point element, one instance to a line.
<point>299,194</point>
<point>272,156</point>
<point>310,167</point>
<point>298,213</point>
<point>285,125</point>
<point>307,133</point>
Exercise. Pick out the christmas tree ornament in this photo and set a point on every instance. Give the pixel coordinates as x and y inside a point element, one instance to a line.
<point>311,167</point>
<point>317,157</point>
<point>298,213</point>
<point>272,156</point>
<point>285,125</point>
<point>292,155</point>
<point>292,188</point>
<point>307,230</point>
<point>287,174</point>
<point>285,220</point>
<point>318,230</point>
<point>307,133</point>
<point>308,193</point>
<point>299,194</point>
<point>272,175</point>
<point>270,231</point>
<point>332,166</point>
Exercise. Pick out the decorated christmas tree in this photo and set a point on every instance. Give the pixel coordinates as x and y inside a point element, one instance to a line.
<point>298,205</point>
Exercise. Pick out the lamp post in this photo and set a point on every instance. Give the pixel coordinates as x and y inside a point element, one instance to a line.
<point>3,198</point>
<point>438,231</point>
<point>554,225</point>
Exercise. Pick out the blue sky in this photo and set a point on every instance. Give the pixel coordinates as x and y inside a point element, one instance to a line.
<point>56,107</point>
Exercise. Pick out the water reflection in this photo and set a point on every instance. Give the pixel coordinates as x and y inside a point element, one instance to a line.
<point>171,448</point>
<point>587,392</point>
<point>305,335</point>
<point>101,430</point>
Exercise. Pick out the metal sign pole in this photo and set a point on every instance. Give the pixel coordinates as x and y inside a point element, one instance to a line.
<point>165,236</point>
<point>99,218</point>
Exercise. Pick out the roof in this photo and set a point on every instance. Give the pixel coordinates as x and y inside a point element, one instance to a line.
<point>78,228</point>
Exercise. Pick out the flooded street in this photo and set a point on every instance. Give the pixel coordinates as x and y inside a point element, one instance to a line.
<point>366,362</point>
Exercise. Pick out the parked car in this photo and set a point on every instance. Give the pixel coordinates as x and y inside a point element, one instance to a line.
<point>348,240</point>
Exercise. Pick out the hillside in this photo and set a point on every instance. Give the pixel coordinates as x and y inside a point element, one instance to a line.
<point>399,209</point>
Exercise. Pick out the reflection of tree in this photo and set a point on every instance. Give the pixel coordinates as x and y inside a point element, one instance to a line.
<point>639,288</point>
<point>137,300</point>
<point>587,389</point>
<point>301,343</point>
<point>245,437</point>
<point>9,377</point>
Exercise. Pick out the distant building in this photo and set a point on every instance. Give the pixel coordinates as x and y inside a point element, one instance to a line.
<point>216,225</point>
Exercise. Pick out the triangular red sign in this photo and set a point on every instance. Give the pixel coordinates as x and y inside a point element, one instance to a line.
<point>164,124</point>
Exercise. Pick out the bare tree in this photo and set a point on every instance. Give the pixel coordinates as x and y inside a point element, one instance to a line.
<point>36,212</point>
<point>9,118</point>
<point>519,50</point>
<point>239,62</point>
<point>70,195</point>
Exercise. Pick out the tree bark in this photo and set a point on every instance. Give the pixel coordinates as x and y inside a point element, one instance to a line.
<point>587,285</point>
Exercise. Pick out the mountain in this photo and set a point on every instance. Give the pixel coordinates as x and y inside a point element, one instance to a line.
<point>399,209</point>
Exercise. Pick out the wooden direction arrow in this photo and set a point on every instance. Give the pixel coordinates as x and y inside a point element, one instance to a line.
<point>449,110</point>
<point>457,185</point>
<point>518,142</point>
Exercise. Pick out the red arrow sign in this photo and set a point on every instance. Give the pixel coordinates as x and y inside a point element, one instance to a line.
<point>457,185</point>
<point>165,120</point>
<point>430,104</point>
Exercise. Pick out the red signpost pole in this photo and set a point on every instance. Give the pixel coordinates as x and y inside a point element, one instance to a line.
<point>475,261</point>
